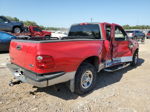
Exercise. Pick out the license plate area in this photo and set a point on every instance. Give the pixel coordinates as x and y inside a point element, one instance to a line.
<point>19,75</point>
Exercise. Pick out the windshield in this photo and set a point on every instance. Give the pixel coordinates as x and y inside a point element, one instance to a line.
<point>88,30</point>
<point>37,29</point>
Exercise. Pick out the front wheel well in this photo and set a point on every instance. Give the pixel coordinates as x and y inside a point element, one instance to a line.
<point>15,27</point>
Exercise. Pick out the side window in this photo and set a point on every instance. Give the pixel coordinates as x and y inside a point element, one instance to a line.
<point>2,20</point>
<point>108,32</point>
<point>120,34</point>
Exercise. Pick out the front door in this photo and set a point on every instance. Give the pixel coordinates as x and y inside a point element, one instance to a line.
<point>120,43</point>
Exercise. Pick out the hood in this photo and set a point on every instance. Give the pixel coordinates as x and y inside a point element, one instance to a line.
<point>46,32</point>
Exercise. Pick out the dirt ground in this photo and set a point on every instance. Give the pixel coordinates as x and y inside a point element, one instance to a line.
<point>127,90</point>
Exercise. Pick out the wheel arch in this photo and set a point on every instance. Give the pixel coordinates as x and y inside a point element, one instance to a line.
<point>15,27</point>
<point>94,60</point>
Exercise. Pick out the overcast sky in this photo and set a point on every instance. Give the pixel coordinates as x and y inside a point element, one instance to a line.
<point>63,13</point>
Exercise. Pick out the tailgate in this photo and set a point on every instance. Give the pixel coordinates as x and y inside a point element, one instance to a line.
<point>23,54</point>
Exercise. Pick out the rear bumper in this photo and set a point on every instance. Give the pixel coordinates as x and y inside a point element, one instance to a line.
<point>39,80</point>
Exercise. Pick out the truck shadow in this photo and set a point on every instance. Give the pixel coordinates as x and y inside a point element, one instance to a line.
<point>4,52</point>
<point>104,79</point>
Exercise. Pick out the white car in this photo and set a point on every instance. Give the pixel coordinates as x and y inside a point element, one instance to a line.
<point>58,34</point>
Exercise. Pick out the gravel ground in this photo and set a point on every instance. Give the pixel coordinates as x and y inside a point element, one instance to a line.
<point>127,90</point>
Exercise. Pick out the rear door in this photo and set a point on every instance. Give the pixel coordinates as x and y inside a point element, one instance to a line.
<point>120,42</point>
<point>108,41</point>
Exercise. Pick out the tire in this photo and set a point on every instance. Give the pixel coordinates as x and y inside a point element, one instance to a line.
<point>16,30</point>
<point>85,79</point>
<point>47,37</point>
<point>135,59</point>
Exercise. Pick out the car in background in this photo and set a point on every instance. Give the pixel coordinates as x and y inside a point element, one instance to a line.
<point>59,34</point>
<point>148,35</point>
<point>5,39</point>
<point>136,35</point>
<point>10,26</point>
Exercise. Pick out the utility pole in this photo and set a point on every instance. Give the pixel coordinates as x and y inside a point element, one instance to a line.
<point>91,20</point>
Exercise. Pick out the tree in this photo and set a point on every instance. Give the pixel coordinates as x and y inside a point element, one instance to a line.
<point>30,23</point>
<point>12,18</point>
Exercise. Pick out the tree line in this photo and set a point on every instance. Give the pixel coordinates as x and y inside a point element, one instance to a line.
<point>136,27</point>
<point>32,23</point>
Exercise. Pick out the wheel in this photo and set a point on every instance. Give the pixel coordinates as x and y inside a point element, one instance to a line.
<point>135,59</point>
<point>16,30</point>
<point>85,79</point>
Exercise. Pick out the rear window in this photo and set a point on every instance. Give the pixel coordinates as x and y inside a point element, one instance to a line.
<point>149,32</point>
<point>88,30</point>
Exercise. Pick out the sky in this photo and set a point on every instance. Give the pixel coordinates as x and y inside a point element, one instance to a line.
<point>63,13</point>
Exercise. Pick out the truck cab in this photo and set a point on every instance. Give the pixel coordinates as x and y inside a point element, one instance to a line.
<point>118,47</point>
<point>37,32</point>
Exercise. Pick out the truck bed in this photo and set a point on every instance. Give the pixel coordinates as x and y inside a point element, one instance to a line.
<point>64,53</point>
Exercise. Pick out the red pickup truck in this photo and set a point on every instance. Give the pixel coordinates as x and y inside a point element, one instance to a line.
<point>33,31</point>
<point>89,48</point>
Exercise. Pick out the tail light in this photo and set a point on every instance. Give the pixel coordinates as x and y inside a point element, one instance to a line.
<point>83,23</point>
<point>44,62</point>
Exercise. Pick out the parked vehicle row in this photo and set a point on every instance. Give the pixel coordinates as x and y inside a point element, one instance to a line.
<point>76,59</point>
<point>33,31</point>
<point>136,35</point>
<point>30,32</point>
